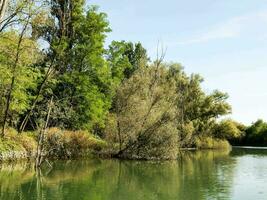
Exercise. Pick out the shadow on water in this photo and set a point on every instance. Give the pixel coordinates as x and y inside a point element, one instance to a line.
<point>245,151</point>
<point>195,175</point>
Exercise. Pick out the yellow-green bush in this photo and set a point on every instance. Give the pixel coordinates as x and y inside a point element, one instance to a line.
<point>58,143</point>
<point>69,144</point>
<point>17,142</point>
<point>206,142</point>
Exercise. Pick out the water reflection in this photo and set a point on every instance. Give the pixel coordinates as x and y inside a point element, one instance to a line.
<point>195,175</point>
<point>245,151</point>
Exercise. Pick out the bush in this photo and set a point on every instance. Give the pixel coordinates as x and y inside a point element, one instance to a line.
<point>58,144</point>
<point>8,145</point>
<point>18,142</point>
<point>205,142</point>
<point>16,146</point>
<point>70,144</point>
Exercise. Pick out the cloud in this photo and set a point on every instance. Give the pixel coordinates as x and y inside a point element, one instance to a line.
<point>242,25</point>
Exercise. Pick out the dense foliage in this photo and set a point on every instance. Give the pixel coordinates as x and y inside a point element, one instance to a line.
<point>254,135</point>
<point>53,58</point>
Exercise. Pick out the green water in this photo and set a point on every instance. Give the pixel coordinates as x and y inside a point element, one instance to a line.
<point>239,174</point>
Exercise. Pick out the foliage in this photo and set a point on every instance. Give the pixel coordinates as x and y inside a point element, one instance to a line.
<point>125,58</point>
<point>81,83</point>
<point>211,143</point>
<point>144,116</point>
<point>196,111</point>
<point>25,74</point>
<point>143,109</point>
<point>14,142</point>
<point>229,129</point>
<point>70,144</point>
<point>256,135</point>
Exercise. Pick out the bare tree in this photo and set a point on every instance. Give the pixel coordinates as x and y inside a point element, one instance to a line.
<point>40,146</point>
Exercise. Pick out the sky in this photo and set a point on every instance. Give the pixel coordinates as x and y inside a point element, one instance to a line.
<point>223,40</point>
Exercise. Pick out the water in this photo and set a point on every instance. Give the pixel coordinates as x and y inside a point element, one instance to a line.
<point>239,174</point>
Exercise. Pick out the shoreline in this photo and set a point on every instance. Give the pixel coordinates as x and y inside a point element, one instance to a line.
<point>15,155</point>
<point>250,147</point>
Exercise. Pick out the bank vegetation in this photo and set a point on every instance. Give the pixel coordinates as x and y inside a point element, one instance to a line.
<point>116,101</point>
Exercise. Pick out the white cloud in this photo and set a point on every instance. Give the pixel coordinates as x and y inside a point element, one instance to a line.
<point>247,24</point>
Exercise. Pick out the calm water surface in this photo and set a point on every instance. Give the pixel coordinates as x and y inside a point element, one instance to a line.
<point>238,174</point>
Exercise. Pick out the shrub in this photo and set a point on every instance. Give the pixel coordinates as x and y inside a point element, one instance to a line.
<point>70,144</point>
<point>58,143</point>
<point>14,146</point>
<point>18,142</point>
<point>205,142</point>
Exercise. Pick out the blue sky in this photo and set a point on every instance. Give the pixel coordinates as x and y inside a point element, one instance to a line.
<point>223,40</point>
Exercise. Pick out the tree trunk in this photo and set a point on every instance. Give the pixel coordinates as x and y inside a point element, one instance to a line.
<point>3,6</point>
<point>12,84</point>
<point>25,120</point>
<point>39,155</point>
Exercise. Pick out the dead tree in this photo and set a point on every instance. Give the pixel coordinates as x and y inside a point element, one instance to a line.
<point>40,146</point>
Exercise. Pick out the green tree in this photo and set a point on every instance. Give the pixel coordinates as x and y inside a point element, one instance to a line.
<point>81,81</point>
<point>228,129</point>
<point>196,111</point>
<point>18,76</point>
<point>125,58</point>
<point>256,134</point>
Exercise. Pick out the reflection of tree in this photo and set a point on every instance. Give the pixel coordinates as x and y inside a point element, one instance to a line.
<point>208,173</point>
<point>256,151</point>
<point>195,175</point>
<point>12,176</point>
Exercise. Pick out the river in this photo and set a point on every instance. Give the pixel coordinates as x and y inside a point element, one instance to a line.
<point>237,174</point>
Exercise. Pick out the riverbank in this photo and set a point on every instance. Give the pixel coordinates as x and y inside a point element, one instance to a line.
<point>59,144</point>
<point>63,144</point>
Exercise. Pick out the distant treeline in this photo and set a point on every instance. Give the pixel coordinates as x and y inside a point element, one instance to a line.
<point>254,135</point>
<point>53,58</point>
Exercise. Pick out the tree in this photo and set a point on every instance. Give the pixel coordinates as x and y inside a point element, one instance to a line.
<point>256,134</point>
<point>14,13</point>
<point>84,83</point>
<point>125,58</point>
<point>3,5</point>
<point>228,129</point>
<point>79,76</point>
<point>18,76</point>
<point>196,111</point>
<point>15,62</point>
<point>144,115</point>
